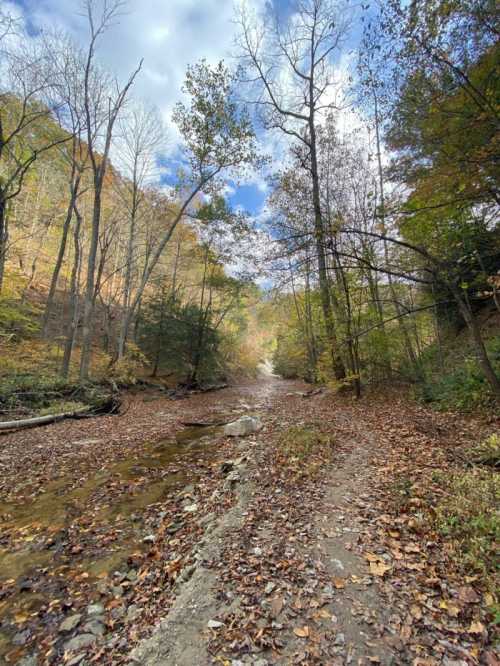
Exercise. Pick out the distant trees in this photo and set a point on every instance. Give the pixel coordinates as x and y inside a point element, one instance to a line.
<point>417,240</point>
<point>292,61</point>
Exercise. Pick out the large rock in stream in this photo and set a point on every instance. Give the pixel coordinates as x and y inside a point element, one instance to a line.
<point>245,425</point>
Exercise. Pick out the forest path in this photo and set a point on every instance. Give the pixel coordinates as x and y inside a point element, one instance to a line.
<point>134,539</point>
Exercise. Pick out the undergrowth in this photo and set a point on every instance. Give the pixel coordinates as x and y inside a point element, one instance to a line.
<point>462,385</point>
<point>305,448</point>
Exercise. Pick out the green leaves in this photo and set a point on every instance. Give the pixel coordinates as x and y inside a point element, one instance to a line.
<point>216,129</point>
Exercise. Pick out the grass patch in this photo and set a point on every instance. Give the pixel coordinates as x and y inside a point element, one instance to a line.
<point>486,453</point>
<point>305,448</point>
<point>468,515</point>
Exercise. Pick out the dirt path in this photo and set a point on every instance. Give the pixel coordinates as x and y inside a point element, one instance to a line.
<point>124,540</point>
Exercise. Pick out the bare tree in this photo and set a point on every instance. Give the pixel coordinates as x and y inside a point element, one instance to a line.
<point>292,63</point>
<point>103,99</point>
<point>68,66</point>
<point>27,99</point>
<point>141,137</point>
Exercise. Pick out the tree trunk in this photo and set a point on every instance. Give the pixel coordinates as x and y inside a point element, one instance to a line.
<point>88,307</point>
<point>3,237</point>
<point>60,255</point>
<point>73,298</point>
<point>478,341</point>
<point>324,287</point>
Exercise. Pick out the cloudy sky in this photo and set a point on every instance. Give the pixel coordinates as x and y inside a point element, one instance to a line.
<point>168,35</point>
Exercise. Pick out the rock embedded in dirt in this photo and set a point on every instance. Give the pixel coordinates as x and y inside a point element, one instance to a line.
<point>95,626</point>
<point>70,623</point>
<point>95,609</point>
<point>150,538</point>
<point>191,508</point>
<point>245,425</point>
<point>79,642</point>
<point>215,624</point>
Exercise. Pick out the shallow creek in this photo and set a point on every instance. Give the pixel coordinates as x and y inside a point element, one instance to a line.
<point>46,539</point>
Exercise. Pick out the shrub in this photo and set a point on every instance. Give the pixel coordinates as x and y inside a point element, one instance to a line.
<point>468,514</point>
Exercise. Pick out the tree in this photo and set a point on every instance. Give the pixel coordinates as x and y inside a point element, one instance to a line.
<point>28,98</point>
<point>141,137</point>
<point>292,61</point>
<point>218,142</point>
<point>103,100</point>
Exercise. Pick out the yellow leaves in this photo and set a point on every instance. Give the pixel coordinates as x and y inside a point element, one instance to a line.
<point>21,618</point>
<point>416,612</point>
<point>379,568</point>
<point>476,627</point>
<point>301,632</point>
<point>452,609</point>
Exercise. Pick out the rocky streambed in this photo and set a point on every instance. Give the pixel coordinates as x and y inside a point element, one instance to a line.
<point>85,564</point>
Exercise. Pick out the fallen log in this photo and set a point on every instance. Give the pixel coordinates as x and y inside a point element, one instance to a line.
<point>110,406</point>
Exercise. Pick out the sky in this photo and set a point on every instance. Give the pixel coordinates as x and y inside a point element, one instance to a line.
<point>168,35</point>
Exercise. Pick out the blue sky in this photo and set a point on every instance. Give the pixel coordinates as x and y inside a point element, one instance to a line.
<point>168,34</point>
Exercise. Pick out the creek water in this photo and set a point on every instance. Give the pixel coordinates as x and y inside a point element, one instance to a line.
<point>33,536</point>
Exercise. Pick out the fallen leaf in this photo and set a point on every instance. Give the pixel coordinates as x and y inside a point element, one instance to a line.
<point>302,632</point>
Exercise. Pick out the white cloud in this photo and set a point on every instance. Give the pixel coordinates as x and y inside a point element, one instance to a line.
<point>167,34</point>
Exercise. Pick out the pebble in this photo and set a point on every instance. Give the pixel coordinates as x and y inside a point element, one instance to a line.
<point>69,623</point>
<point>269,588</point>
<point>215,624</point>
<point>257,551</point>
<point>150,538</point>
<point>191,508</point>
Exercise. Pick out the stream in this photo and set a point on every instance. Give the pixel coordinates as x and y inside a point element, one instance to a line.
<point>46,540</point>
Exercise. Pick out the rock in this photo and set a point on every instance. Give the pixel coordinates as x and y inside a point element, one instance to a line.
<point>214,624</point>
<point>232,478</point>
<point>77,659</point>
<point>118,612</point>
<point>244,426</point>
<point>95,609</point>
<point>150,538</point>
<point>117,591</point>
<point>257,551</point>
<point>95,627</point>
<point>339,639</point>
<point>79,642</point>
<point>269,588</point>
<point>191,508</point>
<point>30,660</point>
<point>260,662</point>
<point>174,527</point>
<point>133,613</point>
<point>206,520</point>
<point>131,575</point>
<point>21,638</point>
<point>227,467</point>
<point>70,623</point>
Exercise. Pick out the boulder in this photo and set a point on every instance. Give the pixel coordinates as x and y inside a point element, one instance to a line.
<point>245,425</point>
